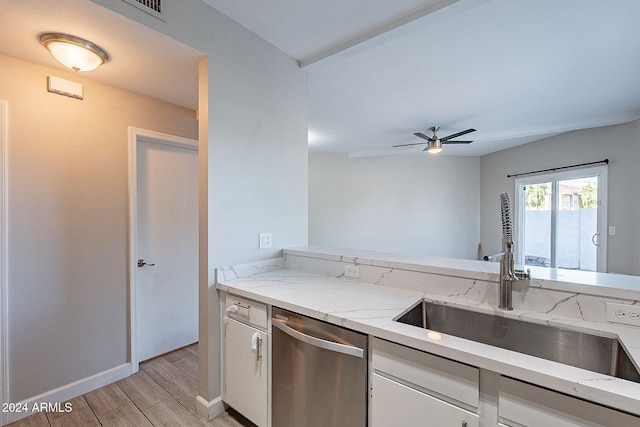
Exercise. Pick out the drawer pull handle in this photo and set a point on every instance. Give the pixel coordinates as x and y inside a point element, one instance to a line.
<point>242,306</point>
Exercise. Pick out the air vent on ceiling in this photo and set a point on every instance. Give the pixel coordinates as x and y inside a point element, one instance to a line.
<point>152,7</point>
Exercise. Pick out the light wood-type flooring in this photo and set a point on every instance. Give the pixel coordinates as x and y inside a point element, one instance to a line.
<point>162,393</point>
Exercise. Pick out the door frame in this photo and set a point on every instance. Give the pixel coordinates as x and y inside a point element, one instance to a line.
<point>603,207</point>
<point>136,135</point>
<point>4,275</point>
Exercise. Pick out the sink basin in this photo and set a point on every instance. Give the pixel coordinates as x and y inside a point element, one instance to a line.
<point>583,350</point>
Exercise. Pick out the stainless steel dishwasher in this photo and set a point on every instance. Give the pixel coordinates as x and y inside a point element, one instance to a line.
<point>319,373</point>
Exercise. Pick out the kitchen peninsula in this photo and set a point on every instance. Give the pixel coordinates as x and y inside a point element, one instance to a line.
<point>312,282</point>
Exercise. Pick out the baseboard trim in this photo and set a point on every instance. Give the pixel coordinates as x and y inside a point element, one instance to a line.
<point>75,389</point>
<point>209,409</point>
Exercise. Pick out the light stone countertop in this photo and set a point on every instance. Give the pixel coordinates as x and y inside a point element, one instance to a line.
<point>370,308</point>
<point>587,282</point>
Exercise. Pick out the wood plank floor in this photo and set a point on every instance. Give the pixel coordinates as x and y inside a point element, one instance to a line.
<point>162,393</point>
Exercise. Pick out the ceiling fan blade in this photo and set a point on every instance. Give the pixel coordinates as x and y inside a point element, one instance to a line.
<point>455,135</point>
<point>406,145</point>
<point>456,142</point>
<point>422,135</point>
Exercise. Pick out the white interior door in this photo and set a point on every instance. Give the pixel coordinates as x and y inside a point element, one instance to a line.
<point>167,247</point>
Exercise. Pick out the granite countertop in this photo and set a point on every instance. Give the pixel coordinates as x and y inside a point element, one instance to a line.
<point>370,308</point>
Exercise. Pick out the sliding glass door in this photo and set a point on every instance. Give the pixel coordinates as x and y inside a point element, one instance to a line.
<point>561,218</point>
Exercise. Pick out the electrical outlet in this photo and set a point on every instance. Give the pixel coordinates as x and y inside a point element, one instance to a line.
<point>623,313</point>
<point>352,271</point>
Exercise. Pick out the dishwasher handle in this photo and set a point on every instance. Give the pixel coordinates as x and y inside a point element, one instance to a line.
<point>318,342</point>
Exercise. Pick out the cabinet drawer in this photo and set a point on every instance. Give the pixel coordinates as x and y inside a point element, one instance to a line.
<point>394,404</point>
<point>248,311</point>
<point>525,404</point>
<point>454,380</point>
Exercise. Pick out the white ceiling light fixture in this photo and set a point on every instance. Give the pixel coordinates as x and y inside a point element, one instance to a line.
<point>74,52</point>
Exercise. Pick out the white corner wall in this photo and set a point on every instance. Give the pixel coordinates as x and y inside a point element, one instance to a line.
<point>254,134</point>
<point>620,144</point>
<point>418,205</point>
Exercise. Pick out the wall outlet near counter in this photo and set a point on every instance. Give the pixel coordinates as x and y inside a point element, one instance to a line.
<point>352,271</point>
<point>623,313</point>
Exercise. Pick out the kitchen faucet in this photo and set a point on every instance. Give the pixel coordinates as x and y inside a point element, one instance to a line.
<point>508,272</point>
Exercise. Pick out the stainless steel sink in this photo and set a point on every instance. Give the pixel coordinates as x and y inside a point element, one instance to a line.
<point>583,350</point>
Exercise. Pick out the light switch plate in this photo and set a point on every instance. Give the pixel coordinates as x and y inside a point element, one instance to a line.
<point>623,313</point>
<point>266,241</point>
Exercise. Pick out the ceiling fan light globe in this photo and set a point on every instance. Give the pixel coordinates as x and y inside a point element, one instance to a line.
<point>434,146</point>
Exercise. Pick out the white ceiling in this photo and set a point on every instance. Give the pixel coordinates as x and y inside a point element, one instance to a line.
<point>379,70</point>
<point>142,60</point>
<point>516,70</point>
<point>306,28</point>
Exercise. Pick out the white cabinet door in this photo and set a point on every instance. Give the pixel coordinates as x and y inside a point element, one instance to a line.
<point>246,387</point>
<point>394,404</point>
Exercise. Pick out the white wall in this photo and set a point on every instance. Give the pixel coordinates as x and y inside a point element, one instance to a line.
<point>422,205</point>
<point>256,139</point>
<point>620,144</point>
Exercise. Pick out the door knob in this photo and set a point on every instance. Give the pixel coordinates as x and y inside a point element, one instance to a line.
<point>142,263</point>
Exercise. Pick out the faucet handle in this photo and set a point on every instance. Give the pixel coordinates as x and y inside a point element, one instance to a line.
<point>523,275</point>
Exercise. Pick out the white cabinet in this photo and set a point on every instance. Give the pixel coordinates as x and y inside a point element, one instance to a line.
<point>413,388</point>
<point>398,405</point>
<point>529,405</point>
<point>246,379</point>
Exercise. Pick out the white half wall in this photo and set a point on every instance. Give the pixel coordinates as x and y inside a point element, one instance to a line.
<point>417,205</point>
<point>620,144</point>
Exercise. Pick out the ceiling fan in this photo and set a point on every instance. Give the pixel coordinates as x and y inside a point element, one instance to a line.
<point>434,144</point>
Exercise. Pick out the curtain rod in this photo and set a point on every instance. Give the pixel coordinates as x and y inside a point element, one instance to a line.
<point>558,168</point>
